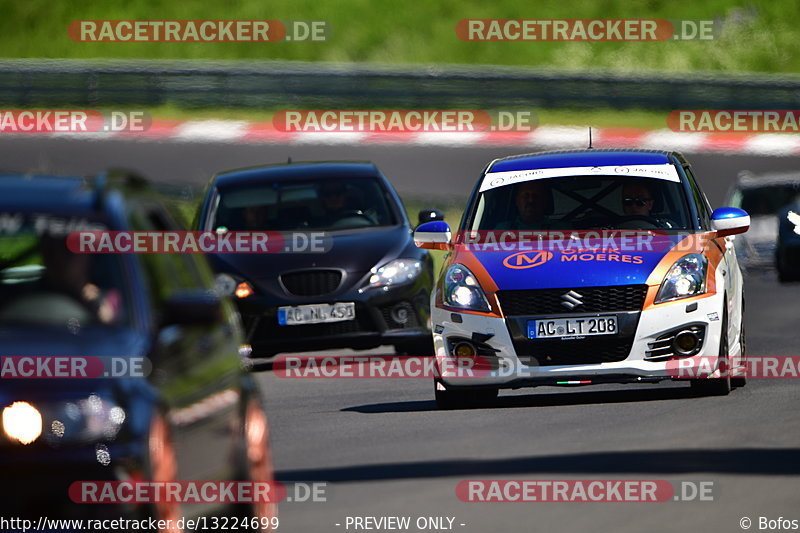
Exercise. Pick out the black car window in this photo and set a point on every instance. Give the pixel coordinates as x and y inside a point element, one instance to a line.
<point>166,273</point>
<point>700,200</point>
<point>43,282</point>
<point>582,202</point>
<point>767,200</point>
<point>327,204</point>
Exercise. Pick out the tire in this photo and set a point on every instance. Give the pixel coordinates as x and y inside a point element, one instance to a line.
<point>739,382</point>
<point>421,348</point>
<point>718,386</point>
<point>162,466</point>
<point>256,462</point>
<point>463,399</point>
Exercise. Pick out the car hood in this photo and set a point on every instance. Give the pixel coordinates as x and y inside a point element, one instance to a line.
<point>355,250</point>
<point>91,341</point>
<point>592,263</point>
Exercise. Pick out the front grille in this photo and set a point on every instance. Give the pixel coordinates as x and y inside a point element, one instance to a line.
<point>572,352</point>
<point>594,300</point>
<point>311,282</point>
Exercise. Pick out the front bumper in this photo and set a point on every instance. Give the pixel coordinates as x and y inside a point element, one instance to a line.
<point>375,323</point>
<point>38,479</point>
<point>512,369</point>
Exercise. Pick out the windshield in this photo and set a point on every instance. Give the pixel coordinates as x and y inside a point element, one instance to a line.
<point>43,283</point>
<point>582,202</point>
<point>766,200</point>
<point>328,204</point>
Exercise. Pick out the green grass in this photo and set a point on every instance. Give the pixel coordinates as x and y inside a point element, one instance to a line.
<point>757,35</point>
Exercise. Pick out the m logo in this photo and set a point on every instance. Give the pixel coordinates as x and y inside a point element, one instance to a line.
<point>527,259</point>
<point>571,299</point>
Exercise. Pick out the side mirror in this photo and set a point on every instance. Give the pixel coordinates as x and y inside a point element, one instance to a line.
<point>429,215</point>
<point>191,307</point>
<point>433,236</point>
<point>730,221</point>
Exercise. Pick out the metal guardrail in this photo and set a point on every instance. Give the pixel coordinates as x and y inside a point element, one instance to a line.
<point>204,84</point>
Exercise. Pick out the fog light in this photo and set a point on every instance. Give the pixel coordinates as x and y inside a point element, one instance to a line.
<point>400,314</point>
<point>22,422</point>
<point>686,342</point>
<point>464,349</point>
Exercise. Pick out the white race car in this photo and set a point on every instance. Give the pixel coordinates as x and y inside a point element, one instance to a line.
<point>587,267</point>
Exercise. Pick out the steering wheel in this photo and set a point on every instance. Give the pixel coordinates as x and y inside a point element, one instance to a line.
<point>622,220</point>
<point>355,213</point>
<point>350,216</point>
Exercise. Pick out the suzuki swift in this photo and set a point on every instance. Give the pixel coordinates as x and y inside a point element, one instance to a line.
<point>586,267</point>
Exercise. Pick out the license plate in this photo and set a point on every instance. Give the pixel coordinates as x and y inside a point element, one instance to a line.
<point>316,313</point>
<point>558,328</point>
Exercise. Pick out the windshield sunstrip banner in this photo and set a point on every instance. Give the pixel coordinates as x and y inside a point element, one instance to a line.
<point>493,180</point>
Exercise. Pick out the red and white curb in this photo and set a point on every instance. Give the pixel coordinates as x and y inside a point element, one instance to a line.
<point>547,137</point>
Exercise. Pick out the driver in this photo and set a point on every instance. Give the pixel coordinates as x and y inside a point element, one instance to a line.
<point>335,203</point>
<point>69,273</point>
<point>532,200</point>
<point>637,200</point>
<point>255,217</point>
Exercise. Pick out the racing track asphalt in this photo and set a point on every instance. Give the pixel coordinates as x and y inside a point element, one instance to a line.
<point>387,451</point>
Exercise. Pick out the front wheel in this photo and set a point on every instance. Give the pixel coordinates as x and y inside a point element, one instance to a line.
<point>718,386</point>
<point>419,348</point>
<point>256,465</point>
<point>741,380</point>
<point>448,399</point>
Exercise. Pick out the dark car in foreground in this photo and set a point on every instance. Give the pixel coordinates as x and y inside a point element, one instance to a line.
<point>366,285</point>
<point>176,404</point>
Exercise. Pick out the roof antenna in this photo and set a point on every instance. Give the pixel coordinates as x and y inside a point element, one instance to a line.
<point>590,138</point>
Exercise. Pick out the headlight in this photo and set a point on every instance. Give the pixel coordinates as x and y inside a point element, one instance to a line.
<point>461,290</point>
<point>227,285</point>
<point>22,422</point>
<point>89,419</point>
<point>395,273</point>
<point>243,290</point>
<point>687,277</point>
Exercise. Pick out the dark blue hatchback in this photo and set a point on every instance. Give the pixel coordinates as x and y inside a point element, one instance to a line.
<point>369,286</point>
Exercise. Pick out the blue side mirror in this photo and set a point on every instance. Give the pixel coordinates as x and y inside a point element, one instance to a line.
<point>433,235</point>
<point>730,221</point>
